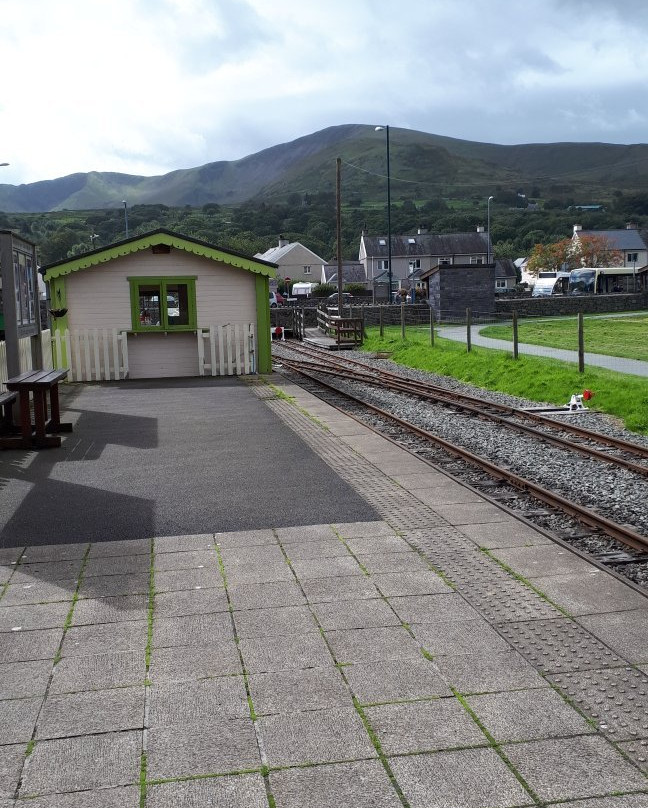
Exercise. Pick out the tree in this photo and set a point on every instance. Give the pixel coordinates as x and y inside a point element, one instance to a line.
<point>595,251</point>
<point>551,257</point>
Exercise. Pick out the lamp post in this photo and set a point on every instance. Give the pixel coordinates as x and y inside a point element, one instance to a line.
<point>125,216</point>
<point>488,241</point>
<point>389,241</point>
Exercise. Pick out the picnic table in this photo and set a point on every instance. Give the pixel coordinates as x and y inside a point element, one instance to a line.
<point>42,385</point>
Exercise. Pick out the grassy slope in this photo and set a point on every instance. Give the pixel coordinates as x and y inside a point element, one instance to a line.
<point>534,378</point>
<point>617,336</point>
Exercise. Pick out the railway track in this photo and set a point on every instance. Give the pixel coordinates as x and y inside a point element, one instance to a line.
<point>356,382</point>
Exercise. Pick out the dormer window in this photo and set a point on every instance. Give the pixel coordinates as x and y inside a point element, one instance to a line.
<point>382,242</point>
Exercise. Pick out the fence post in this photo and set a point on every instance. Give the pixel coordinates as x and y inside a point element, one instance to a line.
<point>431,326</point>
<point>402,321</point>
<point>381,321</point>
<point>515,334</point>
<point>581,344</point>
<point>468,330</point>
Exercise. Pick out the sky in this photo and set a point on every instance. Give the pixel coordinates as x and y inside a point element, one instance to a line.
<point>150,86</point>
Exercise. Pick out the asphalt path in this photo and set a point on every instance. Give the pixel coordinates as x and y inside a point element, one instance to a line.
<point>167,457</point>
<point>633,367</point>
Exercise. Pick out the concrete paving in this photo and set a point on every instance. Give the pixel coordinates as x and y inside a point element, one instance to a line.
<point>383,660</point>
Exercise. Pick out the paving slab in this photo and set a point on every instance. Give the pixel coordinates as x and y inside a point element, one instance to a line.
<point>24,646</point>
<point>85,763</point>
<point>195,559</point>
<point>289,691</point>
<point>12,758</point>
<point>191,701</point>
<point>433,608</point>
<point>19,680</point>
<point>626,632</point>
<point>470,778</point>
<point>37,591</point>
<point>524,715</point>
<point>122,797</point>
<point>276,653</point>
<point>256,596</point>
<point>88,611</point>
<point>33,615</point>
<point>422,582</point>
<point>508,533</point>
<point>185,662</point>
<point>192,629</point>
<point>105,637</point>
<point>423,726</point>
<point>395,680</point>
<point>542,560</point>
<point>364,784</point>
<point>189,601</point>
<point>91,712</point>
<point>282,620</point>
<point>574,767</point>
<point>98,671</point>
<point>216,745</point>
<point>355,614</point>
<point>105,586</point>
<point>239,791</point>
<point>327,590</point>
<point>316,736</point>
<point>482,673</point>
<point>369,644</point>
<point>474,636</point>
<point>591,592</point>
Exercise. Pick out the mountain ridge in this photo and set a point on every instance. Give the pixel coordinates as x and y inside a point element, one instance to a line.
<point>422,165</point>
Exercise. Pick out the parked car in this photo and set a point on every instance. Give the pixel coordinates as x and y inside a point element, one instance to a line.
<point>347,298</point>
<point>276,300</point>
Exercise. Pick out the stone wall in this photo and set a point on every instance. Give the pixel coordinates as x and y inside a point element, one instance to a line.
<point>563,304</point>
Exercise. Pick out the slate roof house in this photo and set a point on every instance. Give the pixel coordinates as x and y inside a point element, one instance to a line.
<point>629,241</point>
<point>160,305</point>
<point>352,272</point>
<point>416,253</point>
<point>294,261</point>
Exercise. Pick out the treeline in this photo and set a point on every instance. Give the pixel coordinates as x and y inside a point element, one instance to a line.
<point>517,224</point>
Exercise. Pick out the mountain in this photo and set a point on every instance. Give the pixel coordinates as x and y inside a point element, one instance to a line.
<point>422,166</point>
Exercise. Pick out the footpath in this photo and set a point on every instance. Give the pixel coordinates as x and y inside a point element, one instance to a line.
<point>406,643</point>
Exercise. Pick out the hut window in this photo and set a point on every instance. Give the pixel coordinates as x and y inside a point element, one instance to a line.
<point>163,304</point>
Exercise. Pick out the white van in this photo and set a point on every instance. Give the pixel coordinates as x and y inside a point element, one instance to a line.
<point>550,283</point>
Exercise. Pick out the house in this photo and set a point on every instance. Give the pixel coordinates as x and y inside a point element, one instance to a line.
<point>294,261</point>
<point>506,274</point>
<point>160,305</point>
<point>417,253</point>
<point>630,242</point>
<point>352,272</point>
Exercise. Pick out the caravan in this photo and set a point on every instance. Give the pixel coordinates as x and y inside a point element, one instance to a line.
<point>550,283</point>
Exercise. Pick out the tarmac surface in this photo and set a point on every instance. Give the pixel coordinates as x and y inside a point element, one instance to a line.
<point>414,645</point>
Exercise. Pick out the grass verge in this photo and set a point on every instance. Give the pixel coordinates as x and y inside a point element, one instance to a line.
<point>535,378</point>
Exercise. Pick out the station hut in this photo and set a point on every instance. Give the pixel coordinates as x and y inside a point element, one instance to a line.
<point>160,305</point>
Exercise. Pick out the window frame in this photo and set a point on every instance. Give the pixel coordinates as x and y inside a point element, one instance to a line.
<point>163,281</point>
<point>500,283</point>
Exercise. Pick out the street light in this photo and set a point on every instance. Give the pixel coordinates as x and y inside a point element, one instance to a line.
<point>488,241</point>
<point>389,242</point>
<point>125,216</point>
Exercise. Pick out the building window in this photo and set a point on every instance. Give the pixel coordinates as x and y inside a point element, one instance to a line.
<point>411,240</point>
<point>307,270</point>
<point>163,304</point>
<point>445,260</point>
<point>500,283</point>
<point>632,258</point>
<point>382,263</point>
<point>476,259</point>
<point>414,264</point>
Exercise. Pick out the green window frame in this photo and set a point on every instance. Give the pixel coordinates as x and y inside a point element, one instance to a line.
<point>163,303</point>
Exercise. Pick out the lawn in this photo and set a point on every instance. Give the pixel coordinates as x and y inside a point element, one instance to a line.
<point>625,337</point>
<point>535,378</point>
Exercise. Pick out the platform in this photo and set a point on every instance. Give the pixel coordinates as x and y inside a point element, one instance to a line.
<point>425,648</point>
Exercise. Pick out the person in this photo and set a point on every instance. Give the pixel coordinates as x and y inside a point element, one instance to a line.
<point>145,317</point>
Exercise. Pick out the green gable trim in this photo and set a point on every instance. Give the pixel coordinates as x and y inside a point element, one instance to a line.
<point>145,242</point>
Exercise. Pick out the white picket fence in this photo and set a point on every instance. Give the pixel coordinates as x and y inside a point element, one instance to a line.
<point>25,356</point>
<point>227,350</point>
<point>98,354</point>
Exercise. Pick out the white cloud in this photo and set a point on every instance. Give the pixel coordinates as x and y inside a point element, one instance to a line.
<point>147,86</point>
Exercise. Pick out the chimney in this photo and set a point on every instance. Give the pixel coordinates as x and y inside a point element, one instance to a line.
<point>480,228</point>
<point>631,226</point>
<point>577,227</point>
<point>283,242</point>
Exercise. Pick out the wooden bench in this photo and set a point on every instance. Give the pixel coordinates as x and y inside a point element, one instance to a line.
<point>7,400</point>
<point>42,384</point>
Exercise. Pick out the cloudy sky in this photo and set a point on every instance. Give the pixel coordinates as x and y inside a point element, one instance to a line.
<point>149,86</point>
